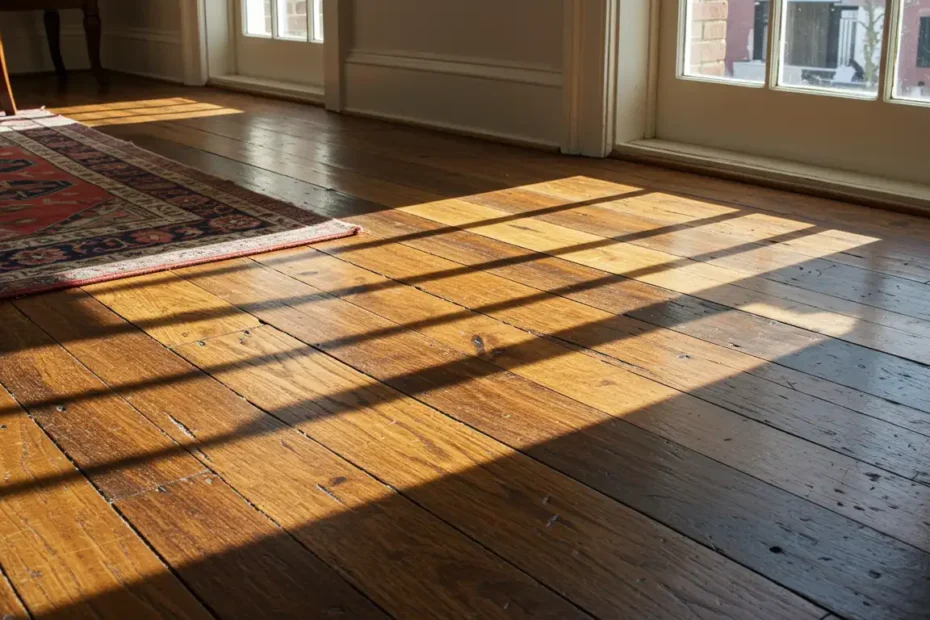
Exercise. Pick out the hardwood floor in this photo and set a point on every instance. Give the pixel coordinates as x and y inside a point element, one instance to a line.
<point>534,386</point>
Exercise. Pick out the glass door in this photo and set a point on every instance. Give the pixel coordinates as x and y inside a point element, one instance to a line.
<point>280,40</point>
<point>836,84</point>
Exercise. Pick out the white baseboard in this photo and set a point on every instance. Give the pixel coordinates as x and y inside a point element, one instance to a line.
<point>462,130</point>
<point>524,73</point>
<point>782,174</point>
<point>301,93</point>
<point>514,102</point>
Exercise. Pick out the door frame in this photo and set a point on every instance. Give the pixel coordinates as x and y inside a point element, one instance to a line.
<point>208,38</point>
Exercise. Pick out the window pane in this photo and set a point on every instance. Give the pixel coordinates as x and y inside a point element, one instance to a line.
<point>292,19</point>
<point>258,17</point>
<point>913,71</point>
<point>833,45</point>
<point>317,20</point>
<point>727,39</point>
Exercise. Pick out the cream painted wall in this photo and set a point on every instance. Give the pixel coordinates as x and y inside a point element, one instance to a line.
<point>144,37</point>
<point>141,36</point>
<point>481,66</point>
<point>519,31</point>
<point>27,49</point>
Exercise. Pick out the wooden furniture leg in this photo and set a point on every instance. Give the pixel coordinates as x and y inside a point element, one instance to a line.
<point>52,21</point>
<point>92,33</point>
<point>7,104</point>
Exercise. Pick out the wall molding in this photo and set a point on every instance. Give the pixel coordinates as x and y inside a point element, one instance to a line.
<point>156,53</point>
<point>484,68</point>
<point>590,40</point>
<point>152,35</point>
<point>194,41</point>
<point>456,128</point>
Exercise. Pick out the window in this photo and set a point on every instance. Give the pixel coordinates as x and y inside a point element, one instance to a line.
<point>912,73</point>
<point>727,39</point>
<point>760,31</point>
<point>288,20</point>
<point>923,43</point>
<point>832,46</point>
<point>822,82</point>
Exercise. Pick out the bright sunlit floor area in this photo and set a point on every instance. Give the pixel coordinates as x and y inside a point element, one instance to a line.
<point>532,386</point>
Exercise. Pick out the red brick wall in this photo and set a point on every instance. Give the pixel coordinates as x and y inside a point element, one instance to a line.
<point>709,37</point>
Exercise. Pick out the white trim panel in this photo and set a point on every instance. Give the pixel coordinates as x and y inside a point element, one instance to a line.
<point>784,174</point>
<point>303,93</point>
<point>149,52</point>
<point>519,103</point>
<point>487,69</point>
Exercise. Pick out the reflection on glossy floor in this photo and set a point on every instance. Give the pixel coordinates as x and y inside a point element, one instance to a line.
<point>536,386</point>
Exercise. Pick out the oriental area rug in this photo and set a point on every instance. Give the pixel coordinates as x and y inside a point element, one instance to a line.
<point>78,206</point>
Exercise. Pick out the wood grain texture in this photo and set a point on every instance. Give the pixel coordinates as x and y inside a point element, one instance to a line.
<point>838,318</point>
<point>597,446</point>
<point>11,606</point>
<point>577,541</point>
<point>72,406</point>
<point>68,553</point>
<point>406,560</point>
<point>237,560</point>
<point>755,256</point>
<point>690,278</point>
<point>178,313</point>
<point>746,338</point>
<point>619,392</point>
<point>222,572</point>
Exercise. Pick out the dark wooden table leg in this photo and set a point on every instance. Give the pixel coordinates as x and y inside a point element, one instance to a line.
<point>92,33</point>
<point>53,32</point>
<point>7,104</point>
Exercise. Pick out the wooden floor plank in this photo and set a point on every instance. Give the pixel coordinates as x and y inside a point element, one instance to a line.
<point>67,553</point>
<point>795,352</point>
<point>770,262</point>
<point>620,393</point>
<point>402,557</point>
<point>153,464</point>
<point>523,510</point>
<point>11,606</point>
<point>769,300</point>
<point>157,295</point>
<point>711,373</point>
<point>348,181</point>
<point>542,422</point>
<point>72,406</point>
<point>238,561</point>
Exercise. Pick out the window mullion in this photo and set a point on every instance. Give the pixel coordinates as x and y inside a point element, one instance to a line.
<point>776,27</point>
<point>887,70</point>
<point>311,19</point>
<point>275,30</point>
<point>683,52</point>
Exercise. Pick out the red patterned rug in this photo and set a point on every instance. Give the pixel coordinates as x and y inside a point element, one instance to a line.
<point>77,206</point>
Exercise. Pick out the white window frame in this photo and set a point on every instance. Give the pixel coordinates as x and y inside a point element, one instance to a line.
<point>314,7</point>
<point>888,68</point>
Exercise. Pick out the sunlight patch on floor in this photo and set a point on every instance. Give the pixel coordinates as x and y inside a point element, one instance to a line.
<point>146,111</point>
